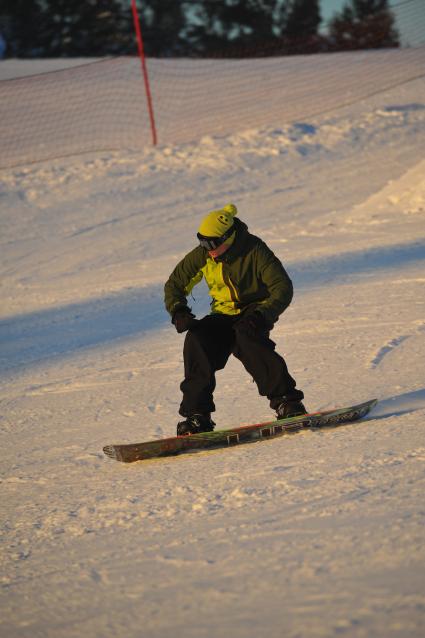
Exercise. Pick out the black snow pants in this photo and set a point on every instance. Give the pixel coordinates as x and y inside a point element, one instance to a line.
<point>207,349</point>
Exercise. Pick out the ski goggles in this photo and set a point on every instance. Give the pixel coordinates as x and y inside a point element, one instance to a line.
<point>212,243</point>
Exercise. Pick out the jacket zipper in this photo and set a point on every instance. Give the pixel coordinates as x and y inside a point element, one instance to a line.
<point>233,292</point>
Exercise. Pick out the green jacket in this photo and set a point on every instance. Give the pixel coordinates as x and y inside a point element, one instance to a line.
<point>247,275</point>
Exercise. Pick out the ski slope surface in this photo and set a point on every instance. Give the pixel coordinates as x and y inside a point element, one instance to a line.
<point>315,535</point>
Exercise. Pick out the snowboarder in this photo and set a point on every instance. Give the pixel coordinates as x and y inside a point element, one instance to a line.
<point>250,289</point>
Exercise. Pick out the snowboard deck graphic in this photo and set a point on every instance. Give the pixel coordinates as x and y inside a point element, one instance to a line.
<point>129,452</point>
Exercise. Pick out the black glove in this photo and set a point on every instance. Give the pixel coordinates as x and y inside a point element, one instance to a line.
<point>252,324</point>
<point>184,320</point>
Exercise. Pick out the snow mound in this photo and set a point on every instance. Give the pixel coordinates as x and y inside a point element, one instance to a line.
<point>401,197</point>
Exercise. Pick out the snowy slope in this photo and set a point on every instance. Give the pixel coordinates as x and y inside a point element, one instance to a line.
<point>318,534</point>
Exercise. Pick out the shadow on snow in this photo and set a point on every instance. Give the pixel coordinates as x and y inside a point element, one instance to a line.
<point>339,268</point>
<point>28,339</point>
<point>400,404</point>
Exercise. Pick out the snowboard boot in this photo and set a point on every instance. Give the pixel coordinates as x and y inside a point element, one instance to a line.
<point>287,409</point>
<point>195,424</point>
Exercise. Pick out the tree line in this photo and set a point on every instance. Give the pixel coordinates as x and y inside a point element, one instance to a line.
<point>171,28</point>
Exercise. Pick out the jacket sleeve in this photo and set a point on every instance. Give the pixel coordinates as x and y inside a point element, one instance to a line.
<point>279,286</point>
<point>185,275</point>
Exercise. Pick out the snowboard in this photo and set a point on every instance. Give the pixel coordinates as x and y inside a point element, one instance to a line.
<point>129,452</point>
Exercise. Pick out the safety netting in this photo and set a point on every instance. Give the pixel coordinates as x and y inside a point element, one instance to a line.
<point>103,105</point>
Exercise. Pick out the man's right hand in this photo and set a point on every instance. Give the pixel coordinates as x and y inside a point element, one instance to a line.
<point>184,320</point>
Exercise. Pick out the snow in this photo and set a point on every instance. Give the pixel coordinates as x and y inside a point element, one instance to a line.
<point>318,534</point>
<point>12,68</point>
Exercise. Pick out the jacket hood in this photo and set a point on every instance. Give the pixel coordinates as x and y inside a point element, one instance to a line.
<point>239,244</point>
